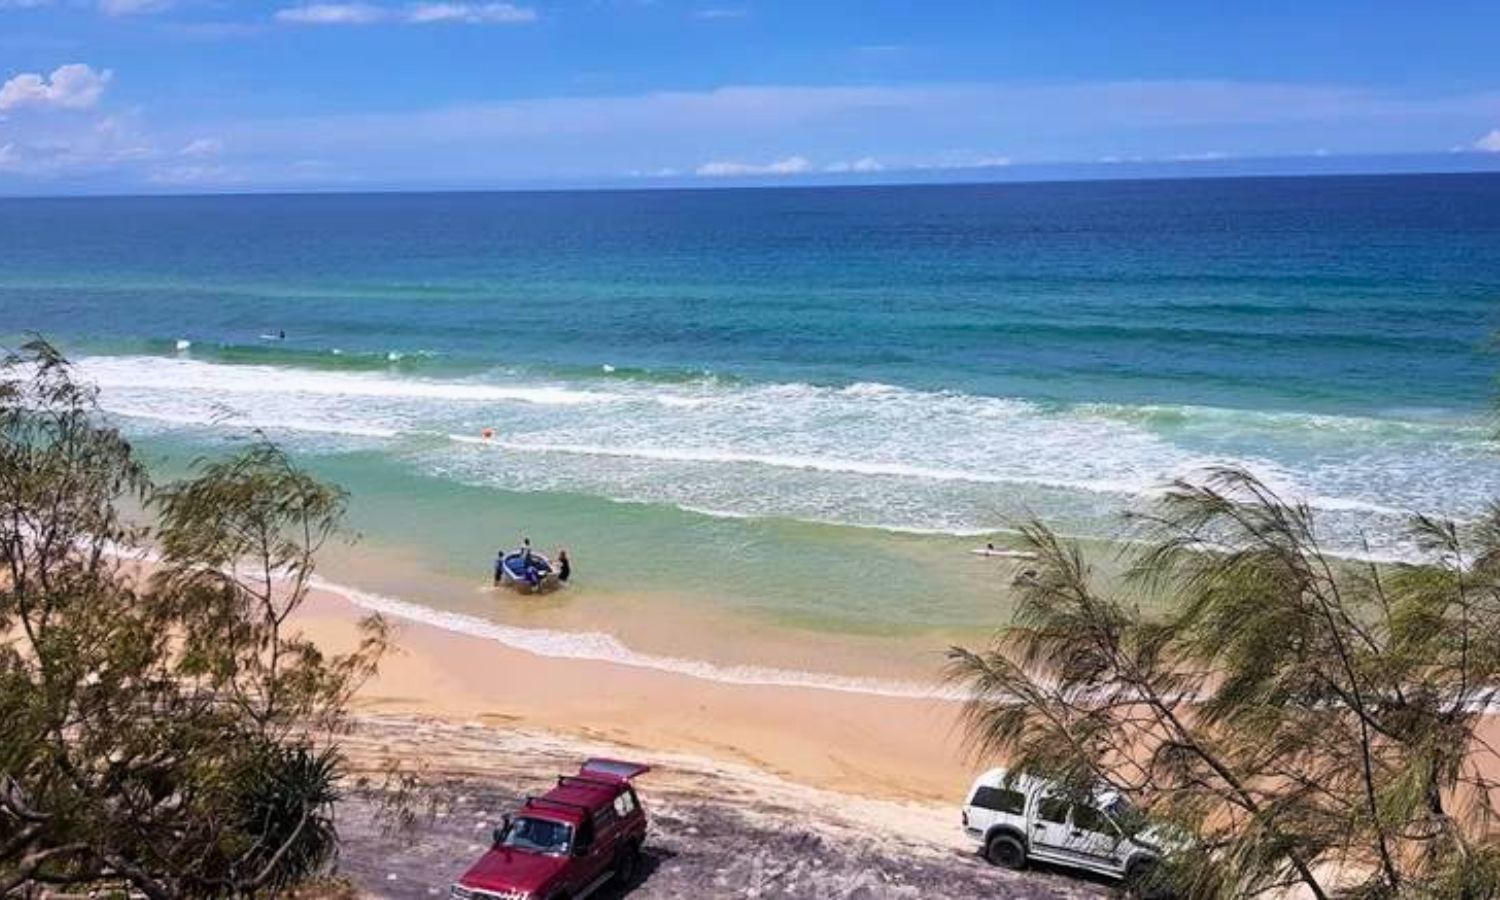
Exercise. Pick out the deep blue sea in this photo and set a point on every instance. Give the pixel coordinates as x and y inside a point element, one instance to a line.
<point>737,394</point>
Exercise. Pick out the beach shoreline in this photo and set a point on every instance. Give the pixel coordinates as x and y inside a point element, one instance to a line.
<point>902,748</point>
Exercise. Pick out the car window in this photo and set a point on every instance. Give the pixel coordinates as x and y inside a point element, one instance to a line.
<point>542,835</point>
<point>1052,809</point>
<point>999,800</point>
<point>1087,818</point>
<point>625,804</point>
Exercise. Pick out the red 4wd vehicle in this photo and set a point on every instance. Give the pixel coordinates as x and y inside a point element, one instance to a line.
<point>567,843</point>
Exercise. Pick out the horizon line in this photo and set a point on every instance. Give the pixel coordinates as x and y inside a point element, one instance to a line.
<point>1123,171</point>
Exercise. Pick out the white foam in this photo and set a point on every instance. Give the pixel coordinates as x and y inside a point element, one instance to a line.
<point>892,527</point>
<point>600,647</point>
<point>186,374</point>
<point>866,455</point>
<point>1255,419</point>
<point>807,463</point>
<point>244,422</point>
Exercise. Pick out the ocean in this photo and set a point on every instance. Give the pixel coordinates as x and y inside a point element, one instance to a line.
<point>789,407</point>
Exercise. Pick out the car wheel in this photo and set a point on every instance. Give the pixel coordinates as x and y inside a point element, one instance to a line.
<point>628,866</point>
<point>1143,882</point>
<point>1006,851</point>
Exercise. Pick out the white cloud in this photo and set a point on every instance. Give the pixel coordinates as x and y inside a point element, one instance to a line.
<point>1489,143</point>
<point>962,159</point>
<point>792,165</point>
<point>431,13</point>
<point>469,13</point>
<point>744,130</point>
<point>133,7</point>
<point>331,14</point>
<point>24,4</point>
<point>1206,156</point>
<point>864,164</point>
<point>74,86</point>
<point>202,148</point>
<point>63,146</point>
<point>721,12</point>
<point>739,129</point>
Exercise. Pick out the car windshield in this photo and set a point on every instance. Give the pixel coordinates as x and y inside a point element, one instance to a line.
<point>541,835</point>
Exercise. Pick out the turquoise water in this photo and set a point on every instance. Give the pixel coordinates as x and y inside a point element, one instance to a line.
<point>803,404</point>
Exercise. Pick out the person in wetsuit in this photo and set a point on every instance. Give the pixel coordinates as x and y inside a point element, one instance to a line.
<point>564,566</point>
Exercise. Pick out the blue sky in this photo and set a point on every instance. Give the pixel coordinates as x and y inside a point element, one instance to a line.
<point>172,95</point>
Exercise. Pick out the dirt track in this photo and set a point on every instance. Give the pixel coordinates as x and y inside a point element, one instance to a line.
<point>717,831</point>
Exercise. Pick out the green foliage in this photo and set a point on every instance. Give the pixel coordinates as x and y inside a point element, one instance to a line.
<point>161,732</point>
<point>1309,721</point>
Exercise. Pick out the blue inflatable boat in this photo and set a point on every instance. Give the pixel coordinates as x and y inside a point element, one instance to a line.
<point>527,572</point>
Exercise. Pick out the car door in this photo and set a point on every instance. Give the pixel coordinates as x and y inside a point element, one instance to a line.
<point>1094,839</point>
<point>599,858</point>
<point>1050,829</point>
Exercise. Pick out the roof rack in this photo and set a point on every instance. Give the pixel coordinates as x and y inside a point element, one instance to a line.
<point>584,779</point>
<point>539,801</point>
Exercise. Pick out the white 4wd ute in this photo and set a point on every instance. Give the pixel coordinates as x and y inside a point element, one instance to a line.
<point>1026,819</point>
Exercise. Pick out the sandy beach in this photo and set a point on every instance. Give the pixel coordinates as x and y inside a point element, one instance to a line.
<point>757,790</point>
<point>839,793</point>
<point>895,748</point>
<point>718,829</point>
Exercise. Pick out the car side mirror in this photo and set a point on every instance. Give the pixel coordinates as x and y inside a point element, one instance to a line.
<point>499,833</point>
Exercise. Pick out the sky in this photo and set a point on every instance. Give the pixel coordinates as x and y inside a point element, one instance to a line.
<point>129,96</point>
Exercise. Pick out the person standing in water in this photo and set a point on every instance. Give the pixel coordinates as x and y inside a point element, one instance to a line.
<point>564,566</point>
<point>529,566</point>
